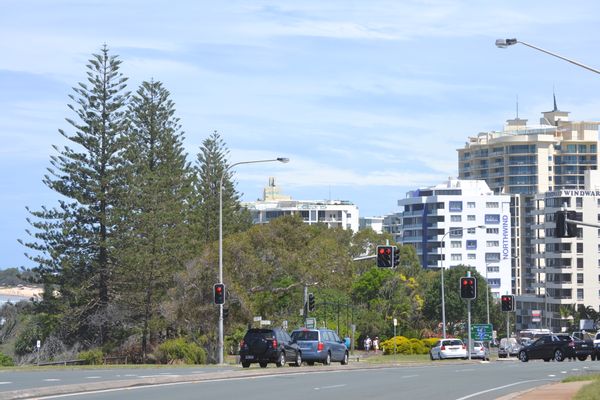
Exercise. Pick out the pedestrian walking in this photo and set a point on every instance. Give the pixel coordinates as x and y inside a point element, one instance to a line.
<point>367,344</point>
<point>376,344</point>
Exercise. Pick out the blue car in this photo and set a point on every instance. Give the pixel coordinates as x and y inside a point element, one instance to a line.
<point>320,345</point>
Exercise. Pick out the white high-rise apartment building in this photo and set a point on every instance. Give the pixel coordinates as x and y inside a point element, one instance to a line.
<point>333,213</point>
<point>460,222</point>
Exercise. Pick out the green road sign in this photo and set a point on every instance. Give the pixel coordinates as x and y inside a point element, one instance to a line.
<point>481,332</point>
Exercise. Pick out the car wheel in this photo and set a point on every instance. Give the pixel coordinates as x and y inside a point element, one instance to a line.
<point>523,356</point>
<point>582,358</point>
<point>559,355</point>
<point>430,356</point>
<point>280,360</point>
<point>298,359</point>
<point>262,364</point>
<point>345,359</point>
<point>245,364</point>
<point>327,359</point>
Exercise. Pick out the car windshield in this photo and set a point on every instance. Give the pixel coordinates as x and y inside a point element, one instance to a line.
<point>452,343</point>
<point>305,335</point>
<point>259,334</point>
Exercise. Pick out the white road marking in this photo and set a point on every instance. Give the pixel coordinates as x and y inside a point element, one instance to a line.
<point>5,383</point>
<point>465,370</point>
<point>93,377</point>
<point>329,387</point>
<point>409,376</point>
<point>499,388</point>
<point>551,375</point>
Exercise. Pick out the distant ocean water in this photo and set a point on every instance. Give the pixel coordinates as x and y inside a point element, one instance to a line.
<point>13,299</point>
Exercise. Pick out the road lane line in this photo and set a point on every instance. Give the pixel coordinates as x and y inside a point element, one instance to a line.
<point>52,380</point>
<point>499,388</point>
<point>330,387</point>
<point>409,376</point>
<point>5,383</point>
<point>93,377</point>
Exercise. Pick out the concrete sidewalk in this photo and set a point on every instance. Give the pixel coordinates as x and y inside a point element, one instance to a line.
<point>552,391</point>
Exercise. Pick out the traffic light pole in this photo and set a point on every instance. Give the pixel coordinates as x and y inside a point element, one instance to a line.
<point>469,321</point>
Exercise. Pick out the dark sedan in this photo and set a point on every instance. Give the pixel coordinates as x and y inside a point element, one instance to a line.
<point>546,348</point>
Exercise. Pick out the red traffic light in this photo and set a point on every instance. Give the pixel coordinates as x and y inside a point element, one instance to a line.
<point>468,287</point>
<point>219,293</point>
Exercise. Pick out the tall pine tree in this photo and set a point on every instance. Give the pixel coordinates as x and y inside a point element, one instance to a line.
<point>154,235</point>
<point>74,241</point>
<point>211,165</point>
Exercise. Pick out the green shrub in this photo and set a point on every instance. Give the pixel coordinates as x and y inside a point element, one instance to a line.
<point>92,357</point>
<point>6,361</point>
<point>404,345</point>
<point>179,350</point>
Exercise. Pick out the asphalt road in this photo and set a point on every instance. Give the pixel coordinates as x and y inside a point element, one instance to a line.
<point>435,380</point>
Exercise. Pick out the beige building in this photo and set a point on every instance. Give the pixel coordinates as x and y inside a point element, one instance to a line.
<point>526,161</point>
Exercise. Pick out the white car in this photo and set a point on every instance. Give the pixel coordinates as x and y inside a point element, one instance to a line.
<point>480,350</point>
<point>448,348</point>
<point>596,354</point>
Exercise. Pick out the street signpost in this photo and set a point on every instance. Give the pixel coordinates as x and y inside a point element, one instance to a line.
<point>482,332</point>
<point>311,323</point>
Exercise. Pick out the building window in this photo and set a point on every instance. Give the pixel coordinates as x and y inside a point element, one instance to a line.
<point>470,218</point>
<point>456,244</point>
<point>578,202</point>
<point>474,257</point>
<point>580,263</point>
<point>497,230</point>
<point>472,230</point>
<point>492,257</point>
<point>455,206</point>
<point>493,268</point>
<point>579,294</point>
<point>456,218</point>
<point>456,232</point>
<point>492,243</point>
<point>494,282</point>
<point>492,219</point>
<point>579,248</point>
<point>471,244</point>
<point>456,257</point>
<point>580,278</point>
<point>471,204</point>
<point>492,204</point>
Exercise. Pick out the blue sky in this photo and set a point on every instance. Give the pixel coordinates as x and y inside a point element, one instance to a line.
<point>369,99</point>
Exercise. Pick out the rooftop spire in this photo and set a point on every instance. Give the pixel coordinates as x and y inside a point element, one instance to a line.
<point>554,96</point>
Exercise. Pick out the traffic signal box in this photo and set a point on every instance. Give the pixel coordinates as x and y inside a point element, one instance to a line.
<point>565,229</point>
<point>387,256</point>
<point>508,302</point>
<point>311,302</point>
<point>219,292</point>
<point>468,287</point>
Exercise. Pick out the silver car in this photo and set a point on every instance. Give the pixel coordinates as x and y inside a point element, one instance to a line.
<point>320,345</point>
<point>480,350</point>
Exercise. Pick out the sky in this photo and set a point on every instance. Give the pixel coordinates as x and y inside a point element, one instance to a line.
<point>369,99</point>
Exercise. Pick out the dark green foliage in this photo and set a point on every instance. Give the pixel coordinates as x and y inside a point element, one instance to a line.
<point>6,361</point>
<point>179,350</point>
<point>73,242</point>
<point>91,357</point>
<point>153,212</point>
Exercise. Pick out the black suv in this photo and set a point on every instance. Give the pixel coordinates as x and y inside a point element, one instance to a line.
<point>267,345</point>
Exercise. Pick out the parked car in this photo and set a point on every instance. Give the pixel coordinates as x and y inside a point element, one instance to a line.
<point>480,350</point>
<point>320,345</point>
<point>508,347</point>
<point>548,347</point>
<point>596,355</point>
<point>269,345</point>
<point>582,344</point>
<point>448,348</point>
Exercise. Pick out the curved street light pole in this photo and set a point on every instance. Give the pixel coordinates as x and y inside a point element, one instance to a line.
<point>504,43</point>
<point>280,159</point>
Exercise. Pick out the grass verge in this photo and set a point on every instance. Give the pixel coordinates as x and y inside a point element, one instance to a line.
<point>590,391</point>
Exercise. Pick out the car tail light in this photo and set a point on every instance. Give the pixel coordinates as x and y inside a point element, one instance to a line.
<point>464,346</point>
<point>274,343</point>
<point>320,346</point>
<point>443,347</point>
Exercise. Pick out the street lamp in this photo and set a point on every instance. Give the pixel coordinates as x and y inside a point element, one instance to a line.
<point>504,43</point>
<point>442,276</point>
<point>280,159</point>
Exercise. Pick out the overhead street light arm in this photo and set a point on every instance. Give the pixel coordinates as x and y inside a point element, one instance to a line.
<point>280,159</point>
<point>504,43</point>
